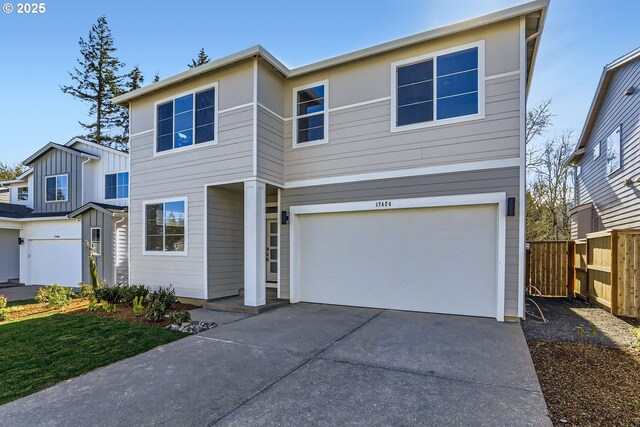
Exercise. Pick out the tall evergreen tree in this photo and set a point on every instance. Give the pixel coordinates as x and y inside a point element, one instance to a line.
<point>10,171</point>
<point>95,80</point>
<point>131,81</point>
<point>200,60</point>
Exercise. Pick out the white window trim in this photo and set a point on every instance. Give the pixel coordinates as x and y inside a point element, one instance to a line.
<point>194,146</point>
<point>45,188</point>
<point>92,241</point>
<point>434,55</point>
<point>612,171</point>
<point>499,199</point>
<point>27,187</point>
<point>597,146</point>
<point>128,185</point>
<point>295,117</point>
<point>186,226</point>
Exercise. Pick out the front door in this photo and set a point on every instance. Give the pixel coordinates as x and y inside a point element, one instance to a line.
<point>272,250</point>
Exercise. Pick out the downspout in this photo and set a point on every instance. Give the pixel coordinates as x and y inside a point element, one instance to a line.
<point>82,176</point>
<point>115,239</point>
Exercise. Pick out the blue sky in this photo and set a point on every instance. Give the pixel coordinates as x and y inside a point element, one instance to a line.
<point>37,51</point>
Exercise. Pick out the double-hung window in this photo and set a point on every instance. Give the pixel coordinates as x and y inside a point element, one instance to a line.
<point>310,114</point>
<point>116,185</point>
<point>165,226</point>
<point>96,240</point>
<point>613,151</point>
<point>23,194</point>
<point>56,188</point>
<point>187,120</point>
<point>438,88</point>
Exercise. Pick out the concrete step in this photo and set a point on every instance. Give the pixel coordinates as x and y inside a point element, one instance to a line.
<point>271,293</point>
<point>11,284</point>
<point>236,305</point>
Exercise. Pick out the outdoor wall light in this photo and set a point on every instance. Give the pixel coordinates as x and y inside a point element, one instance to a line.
<point>20,240</point>
<point>284,217</point>
<point>511,206</point>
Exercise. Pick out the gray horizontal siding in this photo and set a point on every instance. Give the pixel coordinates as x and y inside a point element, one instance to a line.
<point>225,242</point>
<point>270,146</point>
<point>360,139</point>
<point>616,203</point>
<point>497,180</point>
<point>57,162</point>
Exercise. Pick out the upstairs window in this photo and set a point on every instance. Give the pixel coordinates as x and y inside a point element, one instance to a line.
<point>596,150</point>
<point>310,114</point>
<point>23,194</point>
<point>613,151</point>
<point>438,88</point>
<point>56,188</point>
<point>116,185</point>
<point>186,121</point>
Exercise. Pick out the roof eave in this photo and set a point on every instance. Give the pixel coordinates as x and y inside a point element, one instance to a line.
<point>51,145</point>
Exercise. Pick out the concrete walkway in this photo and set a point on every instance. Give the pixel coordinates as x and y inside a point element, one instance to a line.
<point>307,364</point>
<point>17,293</point>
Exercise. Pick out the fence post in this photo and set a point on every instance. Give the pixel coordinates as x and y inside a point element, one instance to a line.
<point>614,272</point>
<point>571,251</point>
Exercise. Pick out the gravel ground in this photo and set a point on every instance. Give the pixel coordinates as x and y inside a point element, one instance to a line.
<point>564,315</point>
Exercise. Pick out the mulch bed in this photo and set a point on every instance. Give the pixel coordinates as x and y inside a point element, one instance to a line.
<point>587,379</point>
<point>79,306</point>
<point>588,384</point>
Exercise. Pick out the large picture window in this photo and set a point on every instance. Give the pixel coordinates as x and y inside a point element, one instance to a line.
<point>116,185</point>
<point>613,151</point>
<point>57,189</point>
<point>165,226</point>
<point>438,88</point>
<point>310,114</point>
<point>186,121</point>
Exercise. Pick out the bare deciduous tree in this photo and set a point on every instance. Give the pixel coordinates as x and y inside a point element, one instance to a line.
<point>537,121</point>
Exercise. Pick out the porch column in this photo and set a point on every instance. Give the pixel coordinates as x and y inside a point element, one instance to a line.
<point>254,243</point>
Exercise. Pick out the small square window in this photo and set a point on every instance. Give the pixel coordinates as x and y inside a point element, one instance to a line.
<point>56,188</point>
<point>23,194</point>
<point>116,185</point>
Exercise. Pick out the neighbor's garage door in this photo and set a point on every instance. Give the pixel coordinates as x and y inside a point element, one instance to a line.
<point>55,261</point>
<point>440,260</point>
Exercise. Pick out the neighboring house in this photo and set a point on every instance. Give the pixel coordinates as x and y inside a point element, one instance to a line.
<point>4,195</point>
<point>71,194</point>
<point>388,177</point>
<point>607,156</point>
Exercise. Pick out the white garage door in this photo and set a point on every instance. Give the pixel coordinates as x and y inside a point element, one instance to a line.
<point>440,260</point>
<point>55,261</point>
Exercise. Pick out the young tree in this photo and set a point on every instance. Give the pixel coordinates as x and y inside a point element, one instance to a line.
<point>200,60</point>
<point>95,80</point>
<point>131,81</point>
<point>10,171</point>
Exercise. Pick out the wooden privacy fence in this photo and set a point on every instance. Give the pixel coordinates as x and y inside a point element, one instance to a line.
<point>550,267</point>
<point>603,268</point>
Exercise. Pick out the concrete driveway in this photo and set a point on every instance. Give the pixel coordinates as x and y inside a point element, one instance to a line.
<point>308,364</point>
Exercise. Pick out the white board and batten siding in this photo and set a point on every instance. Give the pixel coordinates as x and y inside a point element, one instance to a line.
<point>110,162</point>
<point>186,174</point>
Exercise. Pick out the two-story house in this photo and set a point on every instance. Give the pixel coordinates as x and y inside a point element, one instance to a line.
<point>389,177</point>
<point>71,194</point>
<point>606,158</point>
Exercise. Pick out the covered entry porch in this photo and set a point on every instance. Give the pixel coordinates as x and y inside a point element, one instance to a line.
<point>242,243</point>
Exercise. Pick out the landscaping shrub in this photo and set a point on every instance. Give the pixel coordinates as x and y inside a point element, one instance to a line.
<point>138,307</point>
<point>180,317</point>
<point>55,296</point>
<point>130,292</point>
<point>109,307</point>
<point>109,294</point>
<point>155,310</point>
<point>164,296</point>
<point>4,311</point>
<point>86,291</point>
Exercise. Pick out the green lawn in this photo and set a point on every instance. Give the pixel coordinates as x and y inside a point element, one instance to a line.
<point>39,352</point>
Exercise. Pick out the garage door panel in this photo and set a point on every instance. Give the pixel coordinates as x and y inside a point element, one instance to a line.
<point>55,261</point>
<point>441,260</point>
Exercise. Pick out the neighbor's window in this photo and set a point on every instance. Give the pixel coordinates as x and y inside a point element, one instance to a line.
<point>310,114</point>
<point>165,226</point>
<point>596,150</point>
<point>187,120</point>
<point>116,185</point>
<point>578,170</point>
<point>23,193</point>
<point>96,241</point>
<point>613,151</point>
<point>56,188</point>
<point>438,88</point>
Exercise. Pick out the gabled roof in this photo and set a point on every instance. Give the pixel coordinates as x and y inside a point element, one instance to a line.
<point>102,207</point>
<point>79,140</point>
<point>538,6</point>
<point>598,99</point>
<point>53,145</point>
<point>23,213</point>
